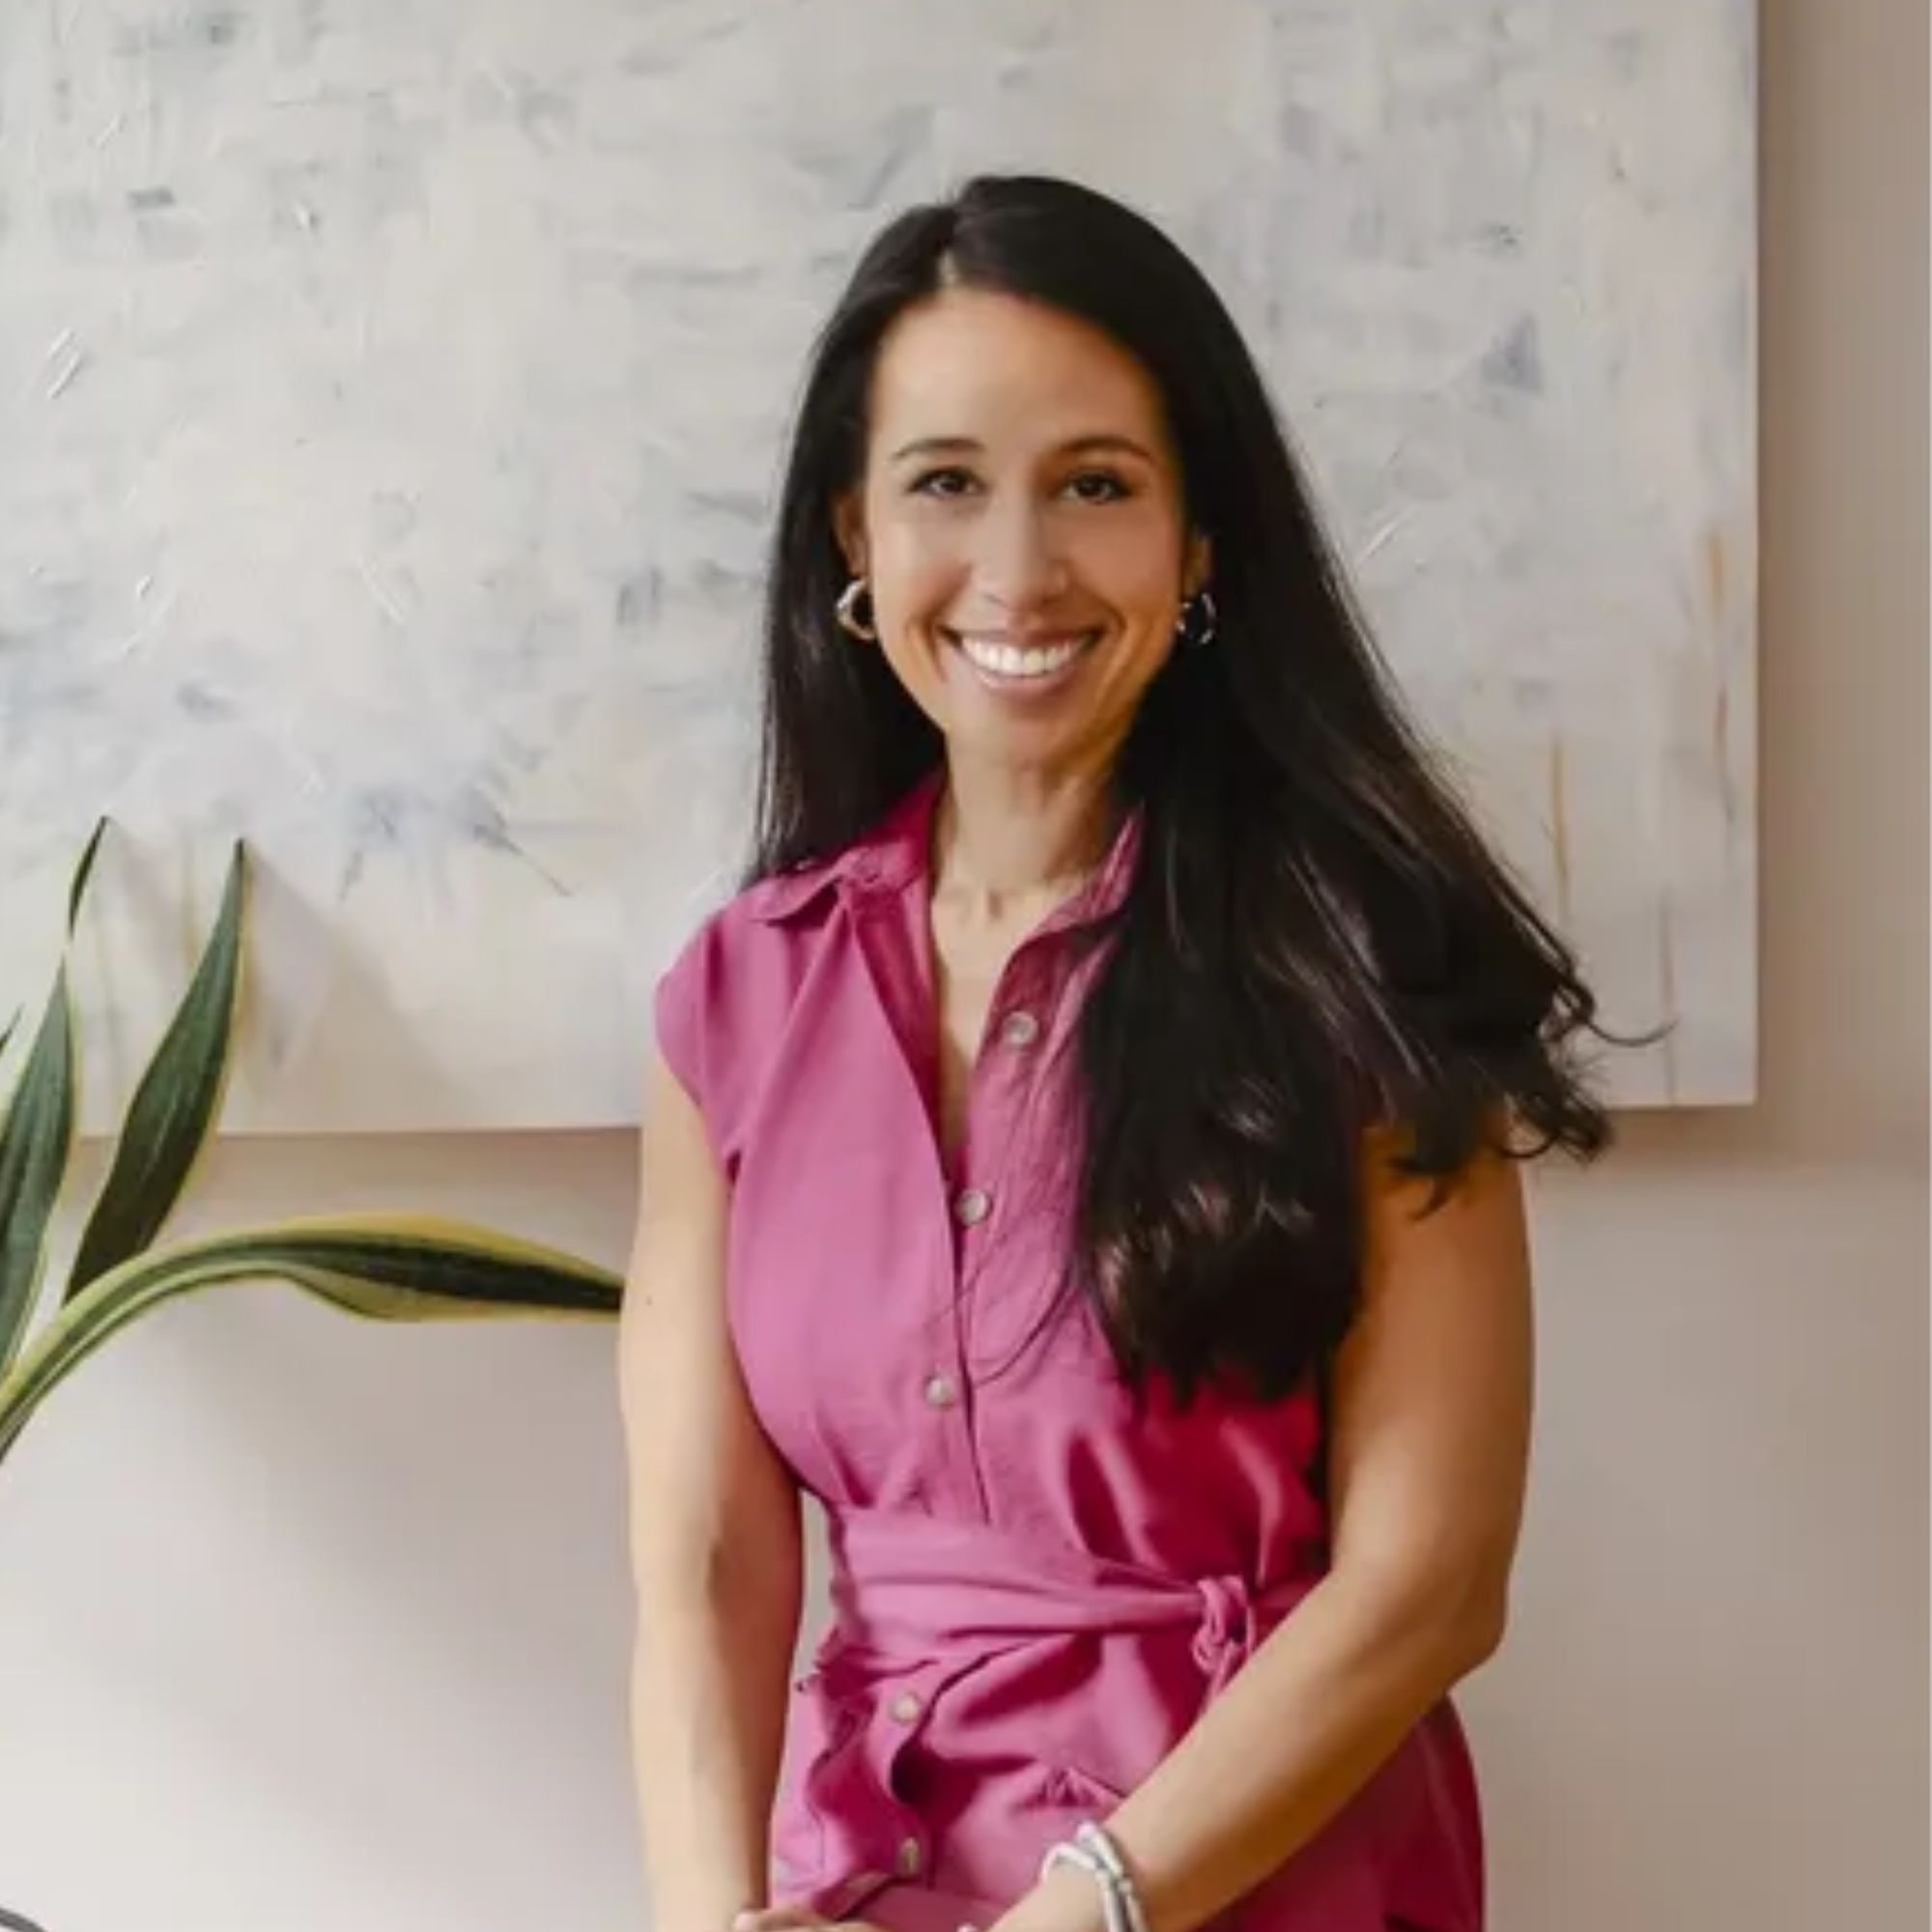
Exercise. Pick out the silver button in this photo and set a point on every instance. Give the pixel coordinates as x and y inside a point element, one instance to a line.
<point>906,1708</point>
<point>941,1392</point>
<point>912,1857</point>
<point>972,1207</point>
<point>1019,1029</point>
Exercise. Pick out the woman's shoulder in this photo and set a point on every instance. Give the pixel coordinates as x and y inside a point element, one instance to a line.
<point>758,916</point>
<point>737,977</point>
<point>728,997</point>
<point>746,951</point>
<point>885,857</point>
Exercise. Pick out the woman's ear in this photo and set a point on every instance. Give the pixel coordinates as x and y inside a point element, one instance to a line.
<point>848,527</point>
<point>1200,566</point>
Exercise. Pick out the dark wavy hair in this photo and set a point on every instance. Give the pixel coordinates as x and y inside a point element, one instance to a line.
<point>1317,940</point>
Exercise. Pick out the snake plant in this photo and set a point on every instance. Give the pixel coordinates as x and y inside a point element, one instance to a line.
<point>389,1266</point>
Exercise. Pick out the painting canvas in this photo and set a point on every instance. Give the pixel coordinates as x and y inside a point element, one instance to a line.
<point>394,397</point>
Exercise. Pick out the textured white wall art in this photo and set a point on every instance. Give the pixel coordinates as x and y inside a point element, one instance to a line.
<point>391,397</point>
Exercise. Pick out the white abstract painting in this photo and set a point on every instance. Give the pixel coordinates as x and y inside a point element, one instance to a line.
<point>391,401</point>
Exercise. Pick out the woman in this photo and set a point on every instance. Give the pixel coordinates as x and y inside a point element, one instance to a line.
<point>1085,1160</point>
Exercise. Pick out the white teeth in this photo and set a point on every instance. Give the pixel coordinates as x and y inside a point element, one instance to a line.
<point>1010,661</point>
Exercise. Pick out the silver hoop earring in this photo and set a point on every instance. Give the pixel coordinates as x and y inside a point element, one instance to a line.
<point>850,619</point>
<point>1198,622</point>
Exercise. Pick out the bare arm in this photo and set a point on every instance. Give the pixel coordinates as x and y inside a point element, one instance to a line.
<point>715,1540</point>
<point>1429,1457</point>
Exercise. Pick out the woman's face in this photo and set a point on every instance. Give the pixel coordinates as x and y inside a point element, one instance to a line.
<point>1020,522</point>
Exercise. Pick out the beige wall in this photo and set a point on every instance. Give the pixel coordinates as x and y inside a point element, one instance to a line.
<point>306,1624</point>
<point>1712,1714</point>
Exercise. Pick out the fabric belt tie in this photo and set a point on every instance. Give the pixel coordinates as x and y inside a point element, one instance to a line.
<point>910,1586</point>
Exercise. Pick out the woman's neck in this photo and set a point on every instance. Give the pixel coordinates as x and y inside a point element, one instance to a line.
<point>1013,844</point>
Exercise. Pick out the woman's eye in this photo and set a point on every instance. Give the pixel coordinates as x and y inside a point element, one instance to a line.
<point>1097,486</point>
<point>942,483</point>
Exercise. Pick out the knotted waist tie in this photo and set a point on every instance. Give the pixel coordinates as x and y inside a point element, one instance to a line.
<point>924,1600</point>
<point>911,1586</point>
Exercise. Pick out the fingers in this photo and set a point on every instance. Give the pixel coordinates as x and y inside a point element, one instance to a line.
<point>779,1919</point>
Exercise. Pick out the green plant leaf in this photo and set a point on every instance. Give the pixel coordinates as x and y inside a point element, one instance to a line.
<point>387,1267</point>
<point>36,1137</point>
<point>176,1102</point>
<point>84,871</point>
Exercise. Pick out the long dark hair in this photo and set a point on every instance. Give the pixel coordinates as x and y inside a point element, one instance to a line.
<point>1317,939</point>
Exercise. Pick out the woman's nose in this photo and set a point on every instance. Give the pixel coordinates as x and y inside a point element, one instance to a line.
<point>1019,563</point>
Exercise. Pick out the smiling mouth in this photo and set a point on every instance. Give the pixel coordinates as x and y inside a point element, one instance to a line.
<point>1022,664</point>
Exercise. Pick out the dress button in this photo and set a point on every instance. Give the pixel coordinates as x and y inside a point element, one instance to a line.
<point>906,1708</point>
<point>972,1205</point>
<point>941,1392</point>
<point>910,1858</point>
<point>1019,1029</point>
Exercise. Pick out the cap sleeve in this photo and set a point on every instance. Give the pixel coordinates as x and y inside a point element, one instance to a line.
<point>722,1009</point>
<point>680,1006</point>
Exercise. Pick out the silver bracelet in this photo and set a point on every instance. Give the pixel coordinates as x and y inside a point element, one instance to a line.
<point>1096,1840</point>
<point>1092,1851</point>
<point>1111,1902</point>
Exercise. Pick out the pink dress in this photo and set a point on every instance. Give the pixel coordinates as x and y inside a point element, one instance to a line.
<point>1037,1591</point>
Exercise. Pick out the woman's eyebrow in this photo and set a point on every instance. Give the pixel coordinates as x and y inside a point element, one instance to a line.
<point>938,445</point>
<point>1079,445</point>
<point>1107,440</point>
